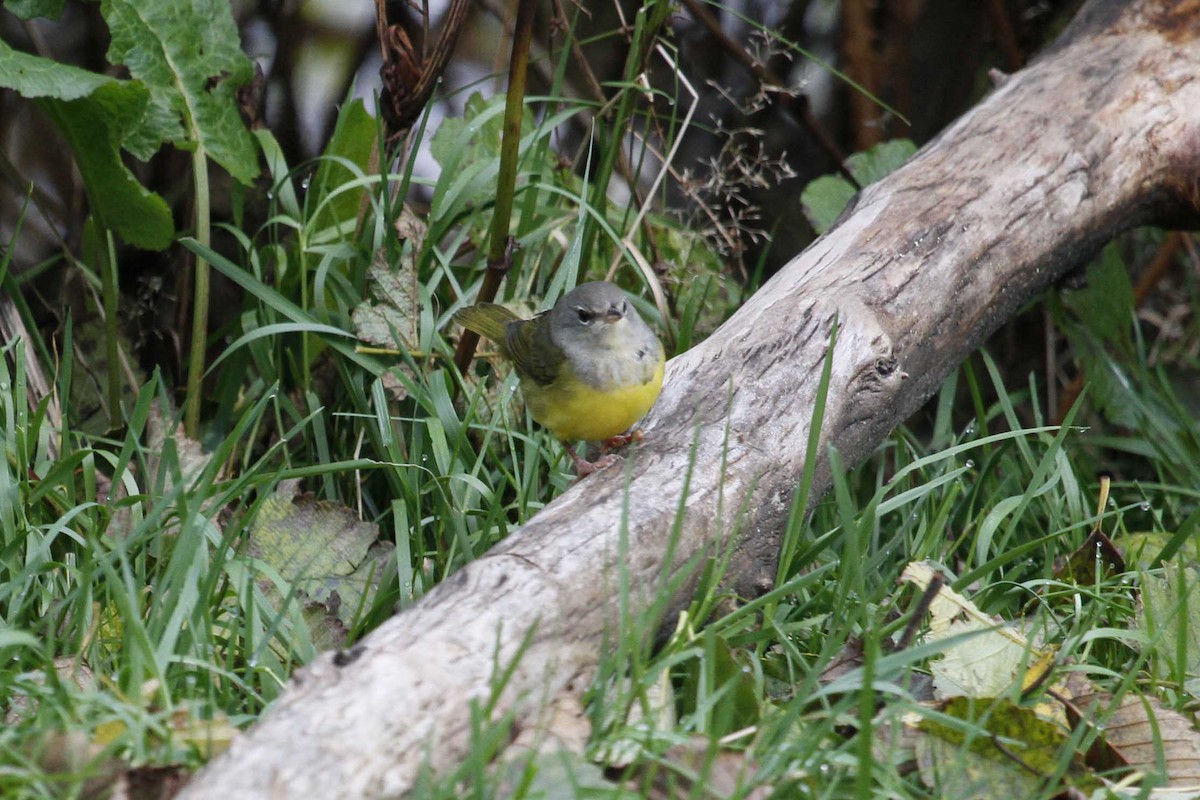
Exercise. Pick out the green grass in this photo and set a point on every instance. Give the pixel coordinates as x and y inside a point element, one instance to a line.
<point>143,615</point>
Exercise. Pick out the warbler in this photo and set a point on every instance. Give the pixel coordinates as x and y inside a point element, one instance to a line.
<point>590,367</point>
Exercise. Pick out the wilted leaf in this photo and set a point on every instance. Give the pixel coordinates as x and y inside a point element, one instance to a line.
<point>392,315</point>
<point>209,737</point>
<point>557,775</point>
<point>322,548</point>
<point>411,229</point>
<point>150,783</point>
<point>1097,559</point>
<point>326,630</point>
<point>68,755</point>
<point>181,452</point>
<point>656,714</point>
<point>563,725</point>
<point>68,670</point>
<point>848,660</point>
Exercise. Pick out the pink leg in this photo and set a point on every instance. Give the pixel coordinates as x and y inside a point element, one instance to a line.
<point>621,440</point>
<point>583,467</point>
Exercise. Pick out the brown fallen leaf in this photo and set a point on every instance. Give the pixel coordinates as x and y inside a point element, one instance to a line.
<point>1139,732</point>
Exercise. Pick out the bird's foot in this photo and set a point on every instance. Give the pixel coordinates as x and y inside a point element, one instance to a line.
<point>621,440</point>
<point>583,467</point>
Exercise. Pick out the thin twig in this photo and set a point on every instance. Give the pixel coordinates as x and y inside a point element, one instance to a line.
<point>789,100</point>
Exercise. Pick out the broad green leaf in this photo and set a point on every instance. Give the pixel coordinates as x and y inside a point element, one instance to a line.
<point>1105,306</point>
<point>33,76</point>
<point>476,136</point>
<point>28,9</point>
<point>353,137</point>
<point>98,116</point>
<point>1170,616</point>
<point>880,161</point>
<point>189,56</point>
<point>10,637</point>
<point>720,688</point>
<point>94,127</point>
<point>824,199</point>
<point>1141,548</point>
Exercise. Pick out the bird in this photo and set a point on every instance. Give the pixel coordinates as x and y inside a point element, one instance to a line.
<point>590,367</point>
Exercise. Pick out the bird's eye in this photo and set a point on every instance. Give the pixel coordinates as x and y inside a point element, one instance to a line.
<point>585,316</point>
<point>624,308</point>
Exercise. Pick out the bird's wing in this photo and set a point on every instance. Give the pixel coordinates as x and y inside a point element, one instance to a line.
<point>534,352</point>
<point>487,319</point>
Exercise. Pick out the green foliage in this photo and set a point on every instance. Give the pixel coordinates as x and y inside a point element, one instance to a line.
<point>28,9</point>
<point>189,57</point>
<point>36,77</point>
<point>98,116</point>
<point>825,198</point>
<point>95,128</point>
<point>186,67</point>
<point>189,576</point>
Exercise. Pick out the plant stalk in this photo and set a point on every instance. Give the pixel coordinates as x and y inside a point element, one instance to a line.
<point>191,416</point>
<point>499,252</point>
<point>111,294</point>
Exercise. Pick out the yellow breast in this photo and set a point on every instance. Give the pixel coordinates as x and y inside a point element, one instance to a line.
<point>572,410</point>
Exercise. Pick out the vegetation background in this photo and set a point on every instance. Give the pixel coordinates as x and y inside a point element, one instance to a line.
<point>233,434</point>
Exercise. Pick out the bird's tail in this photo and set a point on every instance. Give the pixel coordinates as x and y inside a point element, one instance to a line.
<point>486,319</point>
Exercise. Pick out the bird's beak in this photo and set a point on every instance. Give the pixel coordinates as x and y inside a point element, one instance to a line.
<point>614,313</point>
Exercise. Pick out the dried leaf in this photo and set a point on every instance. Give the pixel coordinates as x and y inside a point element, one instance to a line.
<point>1139,731</point>
<point>564,724</point>
<point>150,783</point>
<point>698,769</point>
<point>1097,559</point>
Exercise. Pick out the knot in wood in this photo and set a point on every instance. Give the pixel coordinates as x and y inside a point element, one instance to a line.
<point>886,365</point>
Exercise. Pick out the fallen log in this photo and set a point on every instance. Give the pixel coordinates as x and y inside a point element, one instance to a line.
<point>1100,134</point>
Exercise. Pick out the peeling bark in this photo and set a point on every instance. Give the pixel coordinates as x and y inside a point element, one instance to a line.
<point>1100,134</point>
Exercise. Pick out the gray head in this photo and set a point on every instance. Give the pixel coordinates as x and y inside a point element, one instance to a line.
<point>597,319</point>
<point>594,307</point>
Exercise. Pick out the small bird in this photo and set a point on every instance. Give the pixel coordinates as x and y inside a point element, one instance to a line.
<point>590,367</point>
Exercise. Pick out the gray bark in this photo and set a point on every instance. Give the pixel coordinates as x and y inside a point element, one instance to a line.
<point>1100,134</point>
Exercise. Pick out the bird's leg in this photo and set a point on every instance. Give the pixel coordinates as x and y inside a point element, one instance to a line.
<point>621,440</point>
<point>583,467</point>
